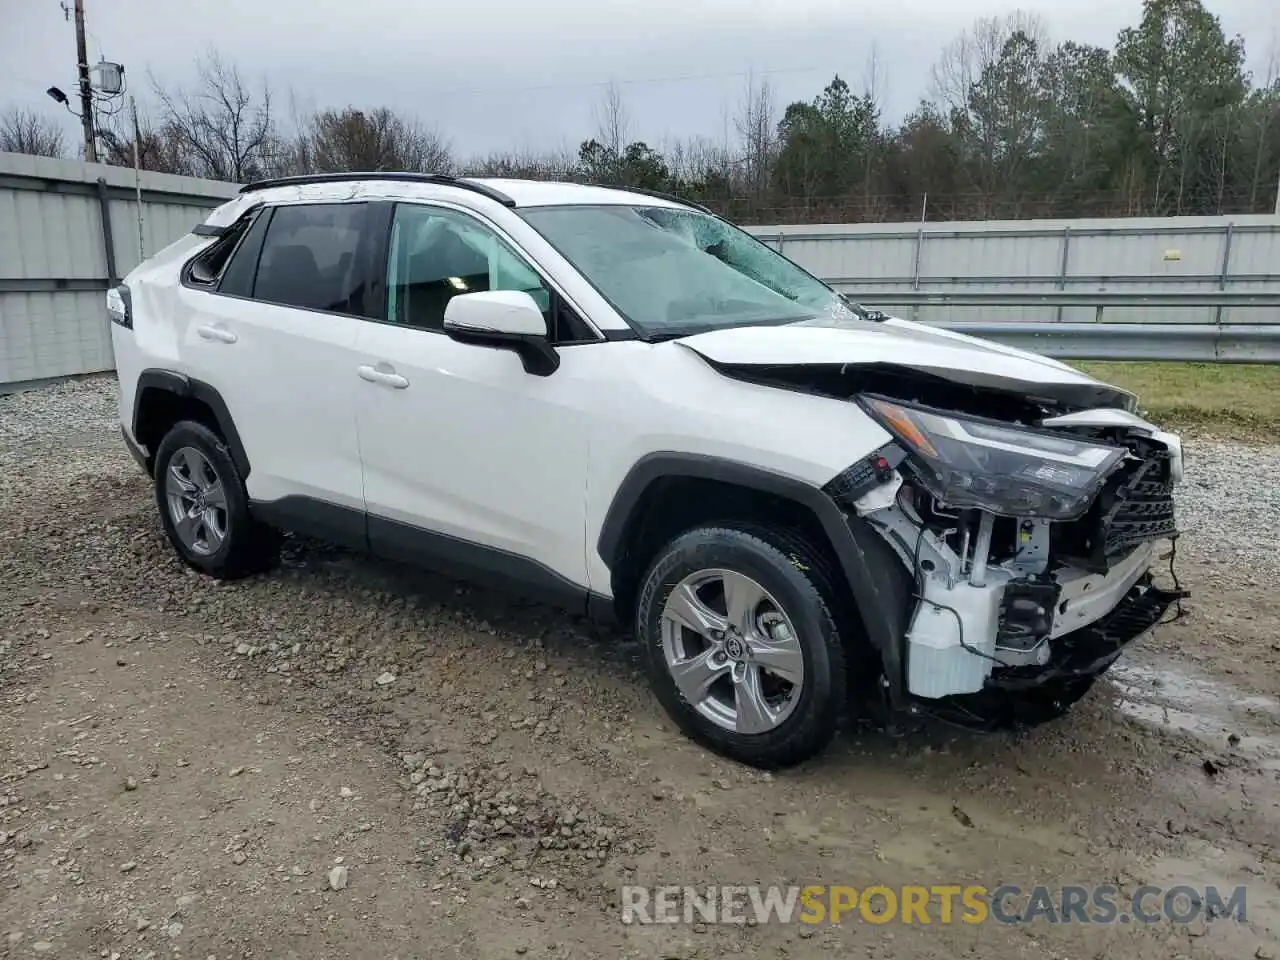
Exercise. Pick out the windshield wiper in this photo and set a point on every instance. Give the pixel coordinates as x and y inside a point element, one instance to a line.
<point>869,314</point>
<point>675,332</point>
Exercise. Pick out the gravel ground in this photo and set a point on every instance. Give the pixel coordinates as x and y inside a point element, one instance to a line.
<point>86,405</point>
<point>1230,502</point>
<point>348,758</point>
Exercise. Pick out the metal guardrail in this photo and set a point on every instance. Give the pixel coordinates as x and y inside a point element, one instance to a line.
<point>1252,342</point>
<point>1074,230</point>
<point>1191,342</point>
<point>1061,298</point>
<point>1072,298</point>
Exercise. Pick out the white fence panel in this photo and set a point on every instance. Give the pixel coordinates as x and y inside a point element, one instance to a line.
<point>56,263</point>
<point>1149,255</point>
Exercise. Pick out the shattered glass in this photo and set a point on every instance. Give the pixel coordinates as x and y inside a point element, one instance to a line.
<point>674,271</point>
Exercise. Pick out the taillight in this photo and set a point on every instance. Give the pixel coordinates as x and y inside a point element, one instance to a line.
<point>120,306</point>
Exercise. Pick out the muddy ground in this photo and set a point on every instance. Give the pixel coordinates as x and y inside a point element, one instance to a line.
<point>183,765</point>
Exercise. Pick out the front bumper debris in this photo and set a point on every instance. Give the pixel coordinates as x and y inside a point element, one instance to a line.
<point>1089,651</point>
<point>1020,697</point>
<point>1135,508</point>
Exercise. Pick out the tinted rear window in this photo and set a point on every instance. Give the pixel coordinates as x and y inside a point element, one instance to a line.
<point>311,258</point>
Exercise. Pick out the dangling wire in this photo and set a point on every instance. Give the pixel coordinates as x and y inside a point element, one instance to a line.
<point>1179,613</point>
<point>919,595</point>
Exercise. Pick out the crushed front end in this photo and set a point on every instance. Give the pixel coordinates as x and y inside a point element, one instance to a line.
<point>1031,550</point>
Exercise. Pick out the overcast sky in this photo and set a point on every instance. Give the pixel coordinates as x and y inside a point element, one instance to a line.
<point>492,74</point>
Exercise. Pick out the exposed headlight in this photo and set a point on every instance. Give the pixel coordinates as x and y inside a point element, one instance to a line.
<point>1011,471</point>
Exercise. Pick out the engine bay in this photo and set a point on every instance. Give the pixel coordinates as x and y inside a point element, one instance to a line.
<point>1007,599</point>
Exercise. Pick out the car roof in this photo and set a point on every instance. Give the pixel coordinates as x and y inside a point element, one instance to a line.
<point>479,193</point>
<point>549,193</point>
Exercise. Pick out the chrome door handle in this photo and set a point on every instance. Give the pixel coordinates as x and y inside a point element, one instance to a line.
<point>387,378</point>
<point>221,334</point>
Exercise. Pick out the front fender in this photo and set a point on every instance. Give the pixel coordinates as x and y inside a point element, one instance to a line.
<point>880,585</point>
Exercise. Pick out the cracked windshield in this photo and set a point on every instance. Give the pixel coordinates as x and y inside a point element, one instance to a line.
<point>674,272</point>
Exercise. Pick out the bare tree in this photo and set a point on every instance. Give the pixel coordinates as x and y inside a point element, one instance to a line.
<point>875,86</point>
<point>525,163</point>
<point>875,78</point>
<point>25,131</point>
<point>613,122</point>
<point>989,82</point>
<point>160,148</point>
<point>698,160</point>
<point>378,139</point>
<point>966,59</point>
<point>224,125</point>
<point>1266,112</point>
<point>757,130</point>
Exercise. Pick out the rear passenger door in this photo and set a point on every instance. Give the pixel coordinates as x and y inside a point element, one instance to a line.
<point>277,340</point>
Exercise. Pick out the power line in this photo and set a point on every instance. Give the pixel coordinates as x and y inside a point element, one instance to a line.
<point>583,84</point>
<point>86,89</point>
<point>579,84</point>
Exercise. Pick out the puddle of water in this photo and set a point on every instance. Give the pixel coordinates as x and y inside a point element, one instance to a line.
<point>1213,711</point>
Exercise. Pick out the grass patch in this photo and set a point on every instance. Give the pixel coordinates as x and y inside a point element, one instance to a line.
<point>1223,397</point>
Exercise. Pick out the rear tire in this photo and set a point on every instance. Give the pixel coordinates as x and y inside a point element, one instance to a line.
<point>762,679</point>
<point>204,507</point>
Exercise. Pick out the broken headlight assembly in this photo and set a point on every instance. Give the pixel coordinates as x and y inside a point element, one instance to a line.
<point>968,462</point>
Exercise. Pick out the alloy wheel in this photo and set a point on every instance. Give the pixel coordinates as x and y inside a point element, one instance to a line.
<point>197,501</point>
<point>732,651</point>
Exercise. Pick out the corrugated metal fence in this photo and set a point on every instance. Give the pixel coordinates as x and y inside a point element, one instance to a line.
<point>920,266</point>
<point>56,260</point>
<point>1181,288</point>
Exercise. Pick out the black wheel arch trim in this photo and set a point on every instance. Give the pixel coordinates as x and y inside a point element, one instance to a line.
<point>181,385</point>
<point>880,584</point>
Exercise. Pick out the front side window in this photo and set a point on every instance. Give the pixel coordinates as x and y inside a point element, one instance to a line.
<point>437,254</point>
<point>311,258</point>
<point>675,271</point>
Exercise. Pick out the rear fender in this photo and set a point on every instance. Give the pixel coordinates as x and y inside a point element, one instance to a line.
<point>152,381</point>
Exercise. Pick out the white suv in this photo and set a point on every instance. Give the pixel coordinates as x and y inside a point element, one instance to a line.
<point>621,403</point>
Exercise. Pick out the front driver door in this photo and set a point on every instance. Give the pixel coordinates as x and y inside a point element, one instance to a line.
<point>469,461</point>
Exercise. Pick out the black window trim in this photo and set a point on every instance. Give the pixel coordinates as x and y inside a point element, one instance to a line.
<point>268,209</point>
<point>237,230</point>
<point>383,259</point>
<point>265,213</point>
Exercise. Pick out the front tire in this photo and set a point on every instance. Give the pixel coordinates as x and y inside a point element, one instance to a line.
<point>740,643</point>
<point>204,507</point>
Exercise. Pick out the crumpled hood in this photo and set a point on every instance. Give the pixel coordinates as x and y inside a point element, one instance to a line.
<point>901,343</point>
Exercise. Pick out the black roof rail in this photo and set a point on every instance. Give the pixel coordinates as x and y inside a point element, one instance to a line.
<point>439,178</point>
<point>656,194</point>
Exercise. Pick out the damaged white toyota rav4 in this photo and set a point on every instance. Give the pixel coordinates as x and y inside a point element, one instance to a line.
<point>621,403</point>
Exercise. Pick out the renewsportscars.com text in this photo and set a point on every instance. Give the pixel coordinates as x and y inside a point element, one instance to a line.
<point>932,904</point>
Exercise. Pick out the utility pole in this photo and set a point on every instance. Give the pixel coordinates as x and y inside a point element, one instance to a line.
<point>86,90</point>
